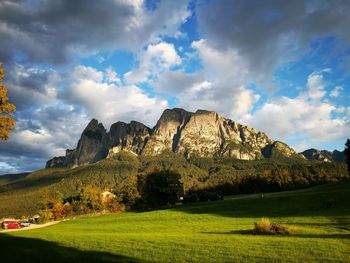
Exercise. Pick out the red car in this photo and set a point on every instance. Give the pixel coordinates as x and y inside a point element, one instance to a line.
<point>11,225</point>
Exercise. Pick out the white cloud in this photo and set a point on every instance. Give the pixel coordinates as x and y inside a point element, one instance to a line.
<point>156,59</point>
<point>110,103</point>
<point>307,118</point>
<point>220,64</point>
<point>316,86</point>
<point>112,76</point>
<point>243,102</point>
<point>219,85</point>
<point>336,92</point>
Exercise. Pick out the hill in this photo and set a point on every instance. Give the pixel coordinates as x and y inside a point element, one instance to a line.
<point>217,231</point>
<point>11,178</point>
<point>124,173</point>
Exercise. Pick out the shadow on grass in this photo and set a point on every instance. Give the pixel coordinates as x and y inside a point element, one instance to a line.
<point>19,249</point>
<point>290,205</point>
<point>236,232</point>
<point>250,232</point>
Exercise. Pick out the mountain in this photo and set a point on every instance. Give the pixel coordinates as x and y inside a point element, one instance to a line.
<point>324,156</point>
<point>201,133</point>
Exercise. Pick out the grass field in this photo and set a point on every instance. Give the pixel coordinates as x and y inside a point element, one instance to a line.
<point>202,232</point>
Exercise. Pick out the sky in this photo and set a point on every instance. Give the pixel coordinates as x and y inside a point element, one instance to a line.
<point>282,67</point>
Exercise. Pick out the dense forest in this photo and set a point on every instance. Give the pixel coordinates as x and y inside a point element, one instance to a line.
<point>59,192</point>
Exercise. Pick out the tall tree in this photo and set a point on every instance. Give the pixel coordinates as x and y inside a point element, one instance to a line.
<point>347,154</point>
<point>163,188</point>
<point>7,123</point>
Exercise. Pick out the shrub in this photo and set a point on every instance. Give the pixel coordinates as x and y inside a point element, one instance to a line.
<point>45,216</point>
<point>265,227</point>
<point>112,205</point>
<point>58,211</point>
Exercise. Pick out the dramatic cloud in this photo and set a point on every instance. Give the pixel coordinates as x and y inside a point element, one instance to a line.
<point>50,119</point>
<point>45,133</point>
<point>69,61</point>
<point>51,31</point>
<point>269,33</point>
<point>31,86</point>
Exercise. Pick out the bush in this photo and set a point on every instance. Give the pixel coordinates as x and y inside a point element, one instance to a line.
<point>112,205</point>
<point>265,227</point>
<point>45,216</point>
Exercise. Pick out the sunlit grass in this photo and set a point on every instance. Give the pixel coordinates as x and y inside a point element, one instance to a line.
<point>210,232</point>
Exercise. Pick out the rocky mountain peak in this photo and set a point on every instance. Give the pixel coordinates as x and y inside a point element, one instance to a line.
<point>166,133</point>
<point>176,116</point>
<point>94,125</point>
<point>203,133</point>
<point>324,156</point>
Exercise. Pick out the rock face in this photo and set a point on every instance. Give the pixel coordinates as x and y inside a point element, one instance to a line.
<point>166,133</point>
<point>324,156</point>
<point>203,133</point>
<point>92,144</point>
<point>208,134</point>
<point>56,162</point>
<point>128,137</point>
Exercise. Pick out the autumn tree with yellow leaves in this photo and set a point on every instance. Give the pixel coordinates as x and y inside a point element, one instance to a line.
<point>7,123</point>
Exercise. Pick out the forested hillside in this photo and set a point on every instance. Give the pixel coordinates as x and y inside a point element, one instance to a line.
<point>202,179</point>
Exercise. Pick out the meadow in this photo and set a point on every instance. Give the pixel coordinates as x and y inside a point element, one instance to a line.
<point>217,231</point>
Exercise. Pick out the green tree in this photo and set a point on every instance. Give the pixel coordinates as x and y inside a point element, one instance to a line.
<point>7,123</point>
<point>90,199</point>
<point>347,154</point>
<point>163,188</point>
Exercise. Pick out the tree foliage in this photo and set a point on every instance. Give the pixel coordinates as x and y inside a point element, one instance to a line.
<point>347,154</point>
<point>75,191</point>
<point>162,188</point>
<point>7,123</point>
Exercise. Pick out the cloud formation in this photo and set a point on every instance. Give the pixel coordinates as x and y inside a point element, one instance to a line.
<point>156,59</point>
<point>307,118</point>
<point>54,31</point>
<point>269,33</point>
<point>109,102</point>
<point>225,58</point>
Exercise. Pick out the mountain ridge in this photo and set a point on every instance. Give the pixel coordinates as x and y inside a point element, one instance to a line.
<point>324,155</point>
<point>202,133</point>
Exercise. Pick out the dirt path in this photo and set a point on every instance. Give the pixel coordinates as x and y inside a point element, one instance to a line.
<point>32,226</point>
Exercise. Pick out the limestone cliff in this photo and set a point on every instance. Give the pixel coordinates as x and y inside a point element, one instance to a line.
<point>166,133</point>
<point>208,134</point>
<point>203,133</point>
<point>128,137</point>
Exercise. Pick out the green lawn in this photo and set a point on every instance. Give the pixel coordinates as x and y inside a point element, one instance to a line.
<point>203,232</point>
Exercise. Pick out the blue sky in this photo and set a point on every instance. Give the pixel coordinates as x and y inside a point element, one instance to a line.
<point>280,67</point>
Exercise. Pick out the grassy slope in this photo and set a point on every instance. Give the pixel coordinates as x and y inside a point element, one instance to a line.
<point>11,178</point>
<point>202,232</point>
